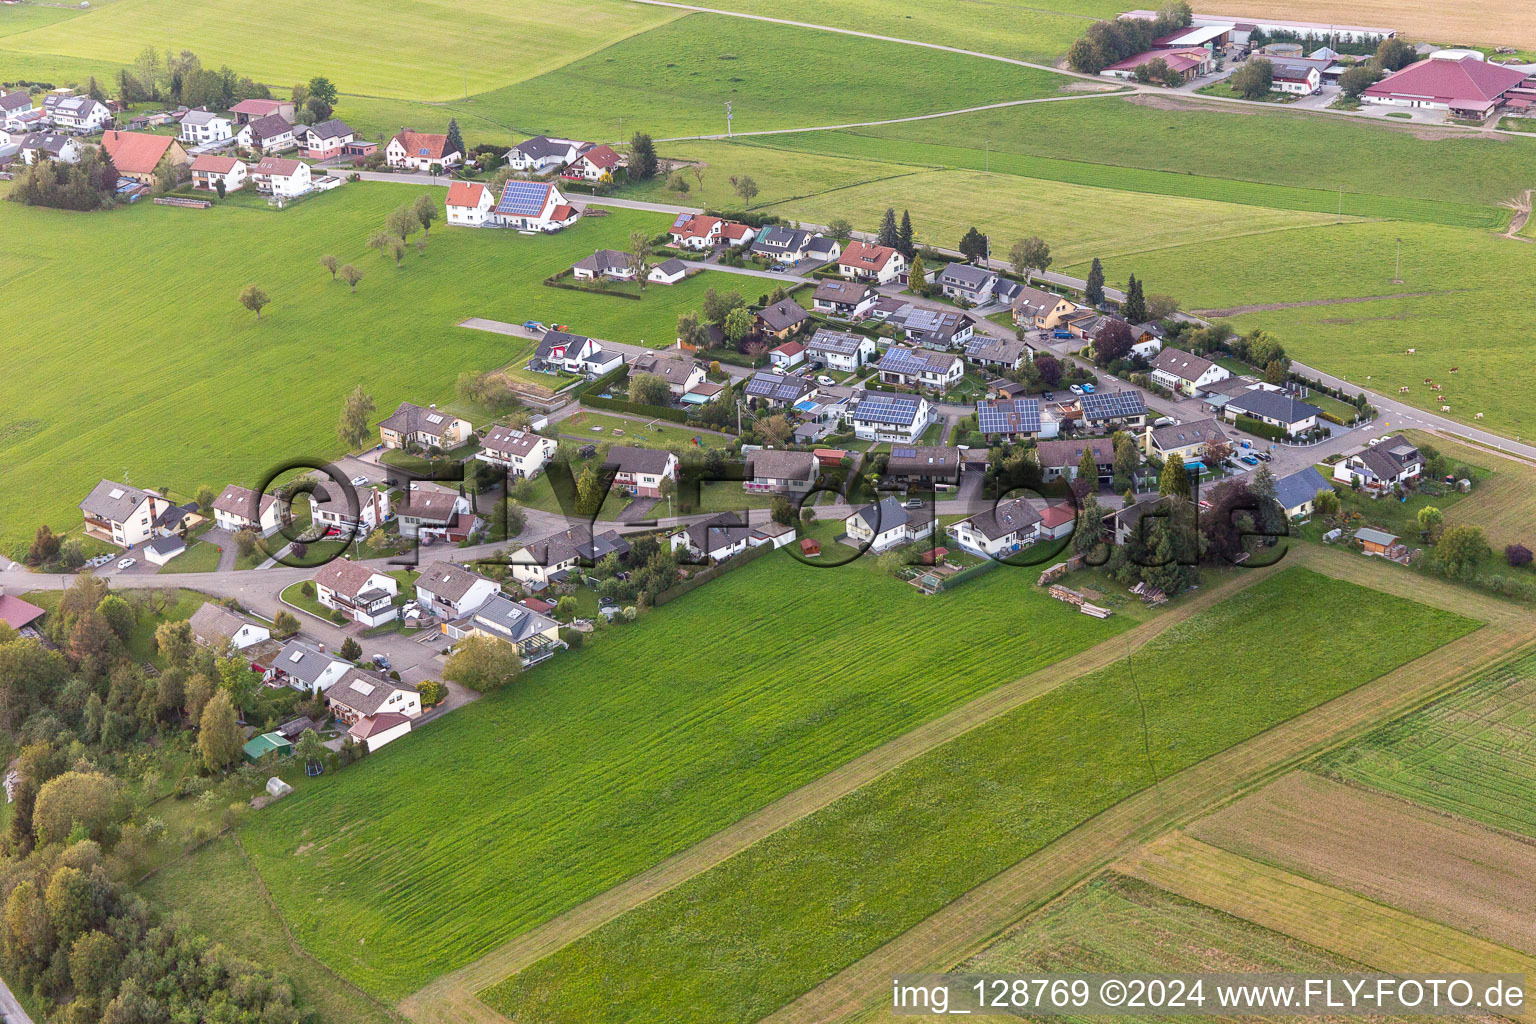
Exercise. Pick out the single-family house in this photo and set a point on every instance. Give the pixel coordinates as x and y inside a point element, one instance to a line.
<point>608,263</point>
<point>847,300</point>
<point>681,372</point>
<point>533,206</point>
<point>865,261</point>
<point>781,244</point>
<point>934,328</point>
<point>522,453</point>
<point>967,283</point>
<point>469,204</point>
<point>1383,466</point>
<point>421,151</point>
<point>1297,492</point>
<point>433,511</point>
<point>1040,309</point>
<point>925,464</point>
<point>14,106</point>
<point>270,134</point>
<point>780,319</point>
<point>776,390</point>
<point>35,146</point>
<point>212,624</point>
<point>305,667</point>
<point>247,111</point>
<point>450,591</point>
<point>279,176</point>
<point>668,272</point>
<point>541,154</point>
<point>878,416</point>
<point>210,169</point>
<point>410,424</point>
<point>1185,373</point>
<point>1380,543</point>
<point>640,471</point>
<point>715,539</point>
<point>240,508</point>
<point>551,559</point>
<point>840,350</point>
<point>1060,459</point>
<point>360,694</point>
<point>1295,78</point>
<point>535,635</point>
<point>361,594</point>
<point>1275,408</point>
<point>574,353</point>
<point>120,514</point>
<point>1103,410</point>
<point>201,127</point>
<point>374,731</point>
<point>594,164</point>
<point>367,509</point>
<point>999,531</point>
<point>786,356</point>
<point>1010,419</point>
<point>920,368</point>
<point>1148,340</point>
<point>771,470</point>
<point>137,155</point>
<point>79,115</point>
<point>323,141</point>
<point>888,524</point>
<point>1185,441</point>
<point>1121,525</point>
<point>996,353</point>
<point>695,231</point>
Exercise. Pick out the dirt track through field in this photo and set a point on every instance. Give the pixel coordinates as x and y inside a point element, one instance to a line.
<point>1327,917</point>
<point>968,924</point>
<point>1429,864</point>
<point>452,997</point>
<point>1521,204</point>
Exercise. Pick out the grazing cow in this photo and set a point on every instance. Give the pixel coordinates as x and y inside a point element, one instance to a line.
<point>1402,391</point>
<point>1445,408</point>
<point>1479,415</point>
<point>1455,368</point>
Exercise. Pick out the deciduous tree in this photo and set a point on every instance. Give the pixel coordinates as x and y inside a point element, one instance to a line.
<point>218,732</point>
<point>1029,255</point>
<point>483,663</point>
<point>254,299</point>
<point>351,275</point>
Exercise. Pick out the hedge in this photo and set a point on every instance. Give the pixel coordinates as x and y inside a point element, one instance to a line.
<point>1259,428</point>
<point>635,408</point>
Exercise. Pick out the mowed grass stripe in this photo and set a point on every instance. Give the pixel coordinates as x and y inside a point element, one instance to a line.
<point>1328,917</point>
<point>819,895</point>
<point>604,762</point>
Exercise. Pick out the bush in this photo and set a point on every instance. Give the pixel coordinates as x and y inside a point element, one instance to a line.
<point>1517,555</point>
<point>1259,428</point>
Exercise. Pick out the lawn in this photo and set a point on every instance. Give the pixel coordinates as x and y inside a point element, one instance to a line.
<point>222,898</point>
<point>1452,309</point>
<point>604,761</point>
<point>199,557</point>
<point>838,884</point>
<point>623,430</point>
<point>944,204</point>
<point>385,48</point>
<point>675,80</point>
<point>178,605</point>
<point>225,402</point>
<point>1472,753</point>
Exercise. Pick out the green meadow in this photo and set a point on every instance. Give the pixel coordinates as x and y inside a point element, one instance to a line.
<point>160,376</point>
<point>813,898</point>
<point>605,760</point>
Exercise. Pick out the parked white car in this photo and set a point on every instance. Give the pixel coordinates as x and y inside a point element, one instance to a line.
<point>127,563</point>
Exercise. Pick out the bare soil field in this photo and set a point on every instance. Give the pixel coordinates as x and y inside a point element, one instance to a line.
<point>1489,22</point>
<point>1331,918</point>
<point>1409,857</point>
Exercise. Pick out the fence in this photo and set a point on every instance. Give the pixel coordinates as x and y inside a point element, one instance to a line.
<point>703,576</point>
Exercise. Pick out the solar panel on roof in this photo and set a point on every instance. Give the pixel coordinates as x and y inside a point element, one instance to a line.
<point>888,408</point>
<point>523,198</point>
<point>1105,405</point>
<point>1021,415</point>
<point>901,360</point>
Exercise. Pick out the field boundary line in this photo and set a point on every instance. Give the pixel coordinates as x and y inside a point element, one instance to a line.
<point>293,944</point>
<point>553,935</point>
<point>976,918</point>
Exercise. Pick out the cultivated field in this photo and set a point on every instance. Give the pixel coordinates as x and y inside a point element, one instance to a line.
<point>1334,919</point>
<point>222,898</point>
<point>1486,22</point>
<point>1417,860</point>
<point>836,885</point>
<point>944,204</point>
<point>605,761</point>
<point>196,390</point>
<point>1453,309</point>
<point>405,48</point>
<point>1471,753</point>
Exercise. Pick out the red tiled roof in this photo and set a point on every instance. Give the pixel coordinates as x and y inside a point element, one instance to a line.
<point>466,193</point>
<point>790,348</point>
<point>15,612</point>
<point>730,229</point>
<point>277,165</point>
<point>1449,81</point>
<point>1179,60</point>
<point>601,157</point>
<point>382,722</point>
<point>415,142</point>
<point>1053,516</point>
<point>562,212</point>
<point>700,225</point>
<point>865,256</point>
<point>259,108</point>
<point>214,164</point>
<point>135,152</point>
